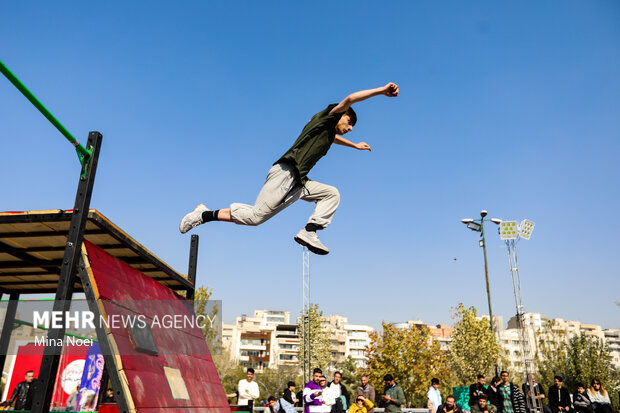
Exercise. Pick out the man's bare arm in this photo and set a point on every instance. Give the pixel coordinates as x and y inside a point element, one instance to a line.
<point>391,90</point>
<point>339,140</point>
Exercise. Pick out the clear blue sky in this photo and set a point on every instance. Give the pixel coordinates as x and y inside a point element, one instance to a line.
<point>513,107</point>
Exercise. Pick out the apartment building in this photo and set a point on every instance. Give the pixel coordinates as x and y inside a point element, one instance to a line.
<point>269,340</point>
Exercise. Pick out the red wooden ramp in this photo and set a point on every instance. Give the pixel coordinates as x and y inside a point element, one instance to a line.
<point>181,377</point>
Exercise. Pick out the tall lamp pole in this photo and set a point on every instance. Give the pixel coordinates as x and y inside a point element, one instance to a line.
<point>478,226</point>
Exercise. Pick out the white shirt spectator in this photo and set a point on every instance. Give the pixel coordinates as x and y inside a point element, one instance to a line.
<point>251,394</point>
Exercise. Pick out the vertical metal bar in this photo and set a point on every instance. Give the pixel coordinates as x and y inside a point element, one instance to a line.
<point>7,327</point>
<point>486,277</point>
<point>106,348</point>
<point>66,281</point>
<point>193,264</point>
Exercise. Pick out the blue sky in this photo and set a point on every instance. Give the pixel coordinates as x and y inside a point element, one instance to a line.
<point>511,107</point>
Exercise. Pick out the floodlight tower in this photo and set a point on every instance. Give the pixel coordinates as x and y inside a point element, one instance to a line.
<point>511,232</point>
<point>305,334</point>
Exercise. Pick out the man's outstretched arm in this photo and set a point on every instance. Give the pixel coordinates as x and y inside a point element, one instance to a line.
<point>390,90</point>
<point>339,140</point>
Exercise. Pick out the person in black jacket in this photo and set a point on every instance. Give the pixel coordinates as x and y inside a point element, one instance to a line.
<point>492,392</point>
<point>510,398</point>
<point>24,392</point>
<point>559,397</point>
<point>476,390</point>
<point>289,393</point>
<point>581,401</point>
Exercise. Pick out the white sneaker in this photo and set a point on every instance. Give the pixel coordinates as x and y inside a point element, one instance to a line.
<point>193,219</point>
<point>311,240</point>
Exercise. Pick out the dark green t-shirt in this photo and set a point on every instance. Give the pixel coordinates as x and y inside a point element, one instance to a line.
<point>313,142</point>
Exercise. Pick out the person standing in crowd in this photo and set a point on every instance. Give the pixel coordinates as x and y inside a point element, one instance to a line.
<point>581,401</point>
<point>328,398</point>
<point>247,388</point>
<point>482,405</point>
<point>476,390</point>
<point>367,391</point>
<point>393,396</point>
<point>534,394</point>
<point>312,392</point>
<point>362,405</point>
<point>511,399</point>
<point>559,397</point>
<point>492,392</point>
<point>449,406</point>
<point>433,396</point>
<point>289,393</point>
<point>599,397</point>
<point>340,393</point>
<point>24,392</point>
<point>289,398</point>
<point>72,399</point>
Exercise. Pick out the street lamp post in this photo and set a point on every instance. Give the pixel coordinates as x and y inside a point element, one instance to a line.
<point>478,226</point>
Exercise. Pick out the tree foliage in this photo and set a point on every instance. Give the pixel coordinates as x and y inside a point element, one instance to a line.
<point>552,354</point>
<point>412,357</point>
<point>578,359</point>
<point>474,349</point>
<point>210,310</point>
<point>272,382</point>
<point>351,374</point>
<point>319,340</point>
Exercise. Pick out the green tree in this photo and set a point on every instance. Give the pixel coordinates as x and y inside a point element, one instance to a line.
<point>589,358</point>
<point>412,357</point>
<point>209,310</point>
<point>272,382</point>
<point>551,355</point>
<point>351,374</point>
<point>474,350</point>
<point>578,359</point>
<point>319,340</point>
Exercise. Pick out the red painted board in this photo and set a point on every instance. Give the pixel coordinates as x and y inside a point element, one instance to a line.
<point>125,291</point>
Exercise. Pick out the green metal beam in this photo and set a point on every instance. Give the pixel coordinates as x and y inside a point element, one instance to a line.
<point>83,153</point>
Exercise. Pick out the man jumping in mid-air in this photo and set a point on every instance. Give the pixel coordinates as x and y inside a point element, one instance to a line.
<point>287,180</point>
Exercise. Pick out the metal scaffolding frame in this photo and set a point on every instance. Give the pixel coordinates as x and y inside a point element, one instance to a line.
<point>305,334</point>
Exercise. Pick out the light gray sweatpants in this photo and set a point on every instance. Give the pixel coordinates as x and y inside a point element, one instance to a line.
<point>280,190</point>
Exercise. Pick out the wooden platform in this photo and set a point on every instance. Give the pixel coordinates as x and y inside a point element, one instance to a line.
<point>32,245</point>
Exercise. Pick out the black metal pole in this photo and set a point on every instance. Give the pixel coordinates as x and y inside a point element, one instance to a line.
<point>486,278</point>
<point>7,328</point>
<point>193,265</point>
<point>64,291</point>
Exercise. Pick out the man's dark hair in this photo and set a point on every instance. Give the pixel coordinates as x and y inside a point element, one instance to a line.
<point>271,399</point>
<point>502,372</point>
<point>250,370</point>
<point>483,396</point>
<point>579,385</point>
<point>337,372</point>
<point>29,371</point>
<point>480,376</point>
<point>451,397</point>
<point>388,377</point>
<point>317,370</point>
<point>434,381</point>
<point>291,383</point>
<point>558,378</point>
<point>352,115</point>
